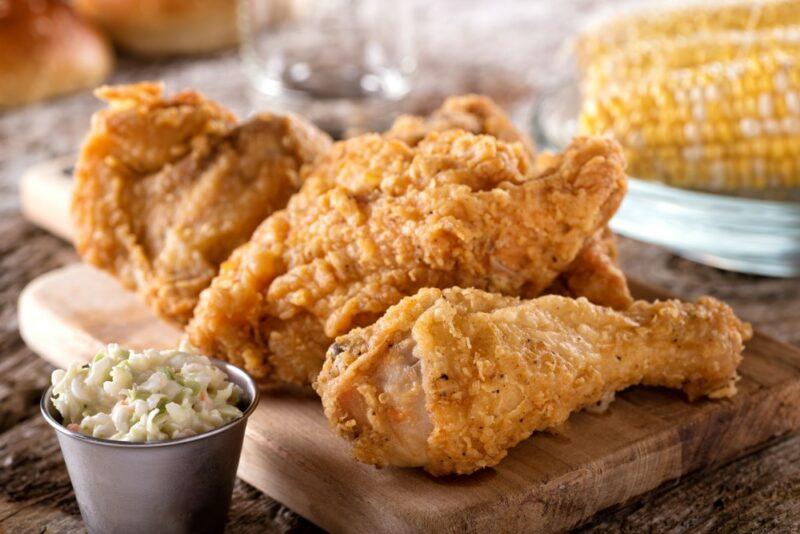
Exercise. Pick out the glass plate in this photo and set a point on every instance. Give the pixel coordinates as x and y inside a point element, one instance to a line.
<point>733,233</point>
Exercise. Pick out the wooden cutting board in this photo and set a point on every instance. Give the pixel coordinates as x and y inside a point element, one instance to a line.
<point>547,483</point>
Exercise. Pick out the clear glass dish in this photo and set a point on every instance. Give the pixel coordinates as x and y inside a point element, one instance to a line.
<point>749,235</point>
<point>344,65</point>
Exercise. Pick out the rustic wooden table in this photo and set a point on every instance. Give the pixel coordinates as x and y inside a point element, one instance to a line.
<point>758,492</point>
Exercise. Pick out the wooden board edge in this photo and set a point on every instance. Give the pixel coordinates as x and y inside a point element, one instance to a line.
<point>525,510</point>
<point>35,327</point>
<point>709,439</point>
<point>736,428</point>
<point>45,194</point>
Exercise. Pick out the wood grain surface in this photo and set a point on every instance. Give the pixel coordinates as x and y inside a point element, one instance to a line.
<point>757,493</point>
<point>547,483</point>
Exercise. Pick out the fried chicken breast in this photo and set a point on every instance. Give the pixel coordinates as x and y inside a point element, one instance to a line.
<point>166,188</point>
<point>595,273</point>
<point>377,220</point>
<point>450,380</point>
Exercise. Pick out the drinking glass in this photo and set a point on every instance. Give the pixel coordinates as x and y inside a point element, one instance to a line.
<point>344,64</point>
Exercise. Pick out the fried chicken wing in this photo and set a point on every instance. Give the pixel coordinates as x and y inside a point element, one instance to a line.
<point>377,220</point>
<point>450,380</point>
<point>166,188</point>
<point>595,273</point>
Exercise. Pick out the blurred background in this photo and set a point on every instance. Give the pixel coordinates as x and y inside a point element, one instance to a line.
<point>703,96</point>
<point>53,53</point>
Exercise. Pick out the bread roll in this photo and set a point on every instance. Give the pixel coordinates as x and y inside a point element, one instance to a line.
<point>45,50</point>
<point>164,27</point>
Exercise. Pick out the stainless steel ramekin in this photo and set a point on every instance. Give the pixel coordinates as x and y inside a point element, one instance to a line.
<point>172,486</point>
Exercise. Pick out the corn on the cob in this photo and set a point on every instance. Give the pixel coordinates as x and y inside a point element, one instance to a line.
<point>705,17</point>
<point>683,51</point>
<point>716,111</point>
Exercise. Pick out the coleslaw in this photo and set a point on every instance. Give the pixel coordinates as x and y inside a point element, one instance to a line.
<point>145,396</point>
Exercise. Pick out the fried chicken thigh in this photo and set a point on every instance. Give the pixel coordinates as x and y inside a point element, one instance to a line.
<point>377,220</point>
<point>450,380</point>
<point>166,188</point>
<point>595,273</point>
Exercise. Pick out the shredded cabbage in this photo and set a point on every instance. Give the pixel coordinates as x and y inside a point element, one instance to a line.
<point>145,396</point>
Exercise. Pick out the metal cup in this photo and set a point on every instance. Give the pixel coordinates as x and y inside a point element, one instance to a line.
<point>171,486</point>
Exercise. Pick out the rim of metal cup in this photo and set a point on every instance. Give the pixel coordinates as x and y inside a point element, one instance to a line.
<point>229,369</point>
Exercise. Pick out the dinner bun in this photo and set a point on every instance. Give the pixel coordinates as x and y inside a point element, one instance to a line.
<point>47,50</point>
<point>164,27</point>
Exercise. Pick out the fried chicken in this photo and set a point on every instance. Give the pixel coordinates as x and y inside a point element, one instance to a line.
<point>450,380</point>
<point>595,273</point>
<point>166,188</point>
<point>377,220</point>
<point>472,113</point>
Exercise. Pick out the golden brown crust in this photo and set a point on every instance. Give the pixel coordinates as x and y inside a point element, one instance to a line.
<point>377,220</point>
<point>472,113</point>
<point>595,273</point>
<point>164,27</point>
<point>166,188</point>
<point>47,50</point>
<point>495,369</point>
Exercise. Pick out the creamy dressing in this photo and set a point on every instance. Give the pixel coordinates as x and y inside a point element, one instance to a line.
<point>145,396</point>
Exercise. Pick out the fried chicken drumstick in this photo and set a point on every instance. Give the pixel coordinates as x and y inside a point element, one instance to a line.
<point>450,380</point>
<point>166,188</point>
<point>377,220</point>
<point>595,273</point>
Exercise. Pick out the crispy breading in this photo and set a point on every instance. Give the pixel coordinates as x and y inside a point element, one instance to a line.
<point>377,220</point>
<point>472,113</point>
<point>166,188</point>
<point>450,380</point>
<point>595,273</point>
